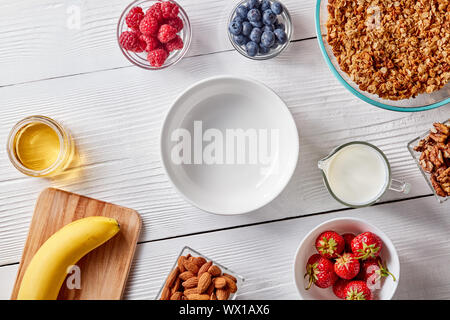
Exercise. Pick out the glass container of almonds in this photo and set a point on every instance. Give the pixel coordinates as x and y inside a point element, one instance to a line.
<point>431,151</point>
<point>196,277</point>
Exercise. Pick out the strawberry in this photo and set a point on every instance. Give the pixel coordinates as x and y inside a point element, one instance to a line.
<point>320,271</point>
<point>373,270</point>
<point>357,290</point>
<point>339,287</point>
<point>366,245</point>
<point>348,237</point>
<point>330,244</point>
<point>347,266</point>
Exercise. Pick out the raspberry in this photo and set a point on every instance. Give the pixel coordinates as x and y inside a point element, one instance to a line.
<point>134,17</point>
<point>129,40</point>
<point>176,22</point>
<point>157,57</point>
<point>155,11</point>
<point>169,9</point>
<point>166,33</point>
<point>174,44</point>
<point>149,25</point>
<point>151,43</point>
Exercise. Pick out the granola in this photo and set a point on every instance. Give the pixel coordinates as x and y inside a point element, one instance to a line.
<point>435,157</point>
<point>396,49</point>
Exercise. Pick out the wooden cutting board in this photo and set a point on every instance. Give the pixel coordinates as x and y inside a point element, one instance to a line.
<point>104,271</point>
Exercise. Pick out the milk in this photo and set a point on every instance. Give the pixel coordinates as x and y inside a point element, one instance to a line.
<point>357,174</point>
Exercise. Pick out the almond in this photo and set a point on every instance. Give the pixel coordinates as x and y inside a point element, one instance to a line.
<point>190,266</point>
<point>222,294</point>
<point>203,282</point>
<point>190,291</point>
<point>176,286</point>
<point>180,264</point>
<point>204,268</point>
<point>210,288</point>
<point>172,277</point>
<point>196,296</point>
<point>190,283</point>
<point>176,295</point>
<point>165,294</point>
<point>230,276</point>
<point>199,261</point>
<point>220,282</point>
<point>231,284</point>
<point>186,275</point>
<point>212,296</point>
<point>215,271</point>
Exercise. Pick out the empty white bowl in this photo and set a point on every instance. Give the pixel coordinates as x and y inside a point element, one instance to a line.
<point>221,104</point>
<point>344,225</point>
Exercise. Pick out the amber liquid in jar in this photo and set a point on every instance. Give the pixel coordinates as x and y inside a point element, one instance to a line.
<point>39,146</point>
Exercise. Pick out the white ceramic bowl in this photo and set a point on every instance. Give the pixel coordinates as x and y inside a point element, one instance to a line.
<point>344,225</point>
<point>229,103</point>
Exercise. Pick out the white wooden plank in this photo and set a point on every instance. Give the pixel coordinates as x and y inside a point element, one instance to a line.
<point>116,117</point>
<point>37,42</point>
<point>264,254</point>
<point>7,278</point>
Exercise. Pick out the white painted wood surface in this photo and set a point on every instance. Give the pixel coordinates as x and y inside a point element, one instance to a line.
<point>115,112</point>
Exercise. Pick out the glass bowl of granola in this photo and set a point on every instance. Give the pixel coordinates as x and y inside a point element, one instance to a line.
<point>392,54</point>
<point>431,152</point>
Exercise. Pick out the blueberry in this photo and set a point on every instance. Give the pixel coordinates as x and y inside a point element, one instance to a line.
<point>263,50</point>
<point>238,19</point>
<point>240,39</point>
<point>246,28</point>
<point>276,7</point>
<point>281,36</point>
<point>267,39</point>
<point>255,36</point>
<point>254,15</point>
<point>257,24</point>
<point>268,28</point>
<point>265,4</point>
<point>252,48</point>
<point>269,17</point>
<point>253,4</point>
<point>242,11</point>
<point>235,27</point>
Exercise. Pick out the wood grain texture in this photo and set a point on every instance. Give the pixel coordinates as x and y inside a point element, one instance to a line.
<point>264,254</point>
<point>39,42</point>
<point>104,271</point>
<point>116,116</point>
<point>418,228</point>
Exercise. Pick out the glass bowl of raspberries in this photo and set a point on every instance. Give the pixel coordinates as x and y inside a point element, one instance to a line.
<point>154,34</point>
<point>260,29</point>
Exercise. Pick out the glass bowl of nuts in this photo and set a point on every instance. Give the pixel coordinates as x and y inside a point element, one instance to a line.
<point>431,152</point>
<point>154,34</point>
<point>371,50</point>
<point>196,277</point>
<point>260,29</point>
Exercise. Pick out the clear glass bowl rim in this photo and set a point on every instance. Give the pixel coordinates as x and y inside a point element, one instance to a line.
<point>240,279</point>
<point>413,153</point>
<point>181,53</point>
<point>353,90</point>
<point>272,53</point>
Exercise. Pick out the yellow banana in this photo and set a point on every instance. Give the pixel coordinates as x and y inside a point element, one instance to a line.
<point>48,268</point>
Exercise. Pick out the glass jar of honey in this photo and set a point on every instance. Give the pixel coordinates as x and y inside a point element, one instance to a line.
<point>40,147</point>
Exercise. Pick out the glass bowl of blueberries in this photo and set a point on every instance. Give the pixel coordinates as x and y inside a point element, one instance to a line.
<point>260,29</point>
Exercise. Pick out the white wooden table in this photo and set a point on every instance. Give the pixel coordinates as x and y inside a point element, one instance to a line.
<point>115,111</point>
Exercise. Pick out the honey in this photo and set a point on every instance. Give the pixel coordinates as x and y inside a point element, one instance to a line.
<point>39,146</point>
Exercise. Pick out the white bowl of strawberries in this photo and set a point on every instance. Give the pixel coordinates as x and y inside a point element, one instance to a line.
<point>154,34</point>
<point>346,258</point>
